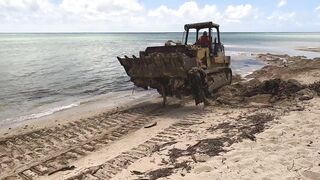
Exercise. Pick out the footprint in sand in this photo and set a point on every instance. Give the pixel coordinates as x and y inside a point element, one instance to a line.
<point>202,169</point>
<point>293,142</point>
<point>302,151</point>
<point>304,163</point>
<point>311,175</point>
<point>266,178</point>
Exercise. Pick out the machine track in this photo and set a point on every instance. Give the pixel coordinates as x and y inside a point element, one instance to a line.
<point>115,165</point>
<point>38,153</point>
<point>218,79</point>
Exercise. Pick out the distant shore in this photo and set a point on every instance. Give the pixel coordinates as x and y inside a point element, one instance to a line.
<point>310,49</point>
<point>262,127</point>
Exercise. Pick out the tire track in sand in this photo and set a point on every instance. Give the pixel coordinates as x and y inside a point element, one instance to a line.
<point>38,153</point>
<point>115,165</point>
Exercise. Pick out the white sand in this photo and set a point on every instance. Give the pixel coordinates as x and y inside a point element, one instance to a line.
<point>288,149</point>
<point>113,145</point>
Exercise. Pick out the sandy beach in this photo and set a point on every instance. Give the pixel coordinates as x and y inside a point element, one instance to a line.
<point>264,126</point>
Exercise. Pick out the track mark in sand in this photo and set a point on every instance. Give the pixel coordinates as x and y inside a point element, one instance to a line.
<point>164,138</point>
<point>38,153</point>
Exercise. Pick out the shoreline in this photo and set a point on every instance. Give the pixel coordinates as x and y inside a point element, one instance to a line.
<point>84,110</point>
<point>52,111</point>
<point>185,141</point>
<point>98,104</point>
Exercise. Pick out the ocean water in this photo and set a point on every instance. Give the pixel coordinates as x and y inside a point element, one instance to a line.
<point>41,74</point>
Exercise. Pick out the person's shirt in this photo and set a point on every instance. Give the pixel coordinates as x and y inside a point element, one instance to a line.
<point>203,41</point>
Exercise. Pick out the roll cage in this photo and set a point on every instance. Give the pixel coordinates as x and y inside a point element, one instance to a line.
<point>203,25</point>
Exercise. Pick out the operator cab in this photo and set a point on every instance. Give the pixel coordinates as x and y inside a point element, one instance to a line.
<point>212,30</point>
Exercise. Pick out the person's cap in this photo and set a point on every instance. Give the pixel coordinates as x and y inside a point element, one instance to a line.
<point>205,33</point>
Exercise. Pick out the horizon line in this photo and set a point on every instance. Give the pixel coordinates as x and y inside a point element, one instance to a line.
<point>114,32</point>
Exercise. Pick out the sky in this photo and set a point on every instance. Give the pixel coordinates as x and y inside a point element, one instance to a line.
<point>158,16</point>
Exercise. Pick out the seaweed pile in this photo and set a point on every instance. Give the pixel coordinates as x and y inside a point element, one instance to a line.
<point>272,91</point>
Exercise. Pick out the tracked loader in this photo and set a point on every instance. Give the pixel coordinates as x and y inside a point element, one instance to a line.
<point>183,69</point>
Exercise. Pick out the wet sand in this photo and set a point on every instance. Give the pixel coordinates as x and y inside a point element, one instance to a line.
<point>263,127</point>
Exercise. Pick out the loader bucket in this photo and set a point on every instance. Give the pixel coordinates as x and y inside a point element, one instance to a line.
<point>158,64</point>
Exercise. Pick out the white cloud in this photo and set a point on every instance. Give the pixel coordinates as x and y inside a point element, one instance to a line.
<point>27,11</point>
<point>164,18</point>
<point>71,14</point>
<point>131,15</point>
<point>317,10</point>
<point>101,9</point>
<point>187,12</point>
<point>15,6</point>
<point>281,16</point>
<point>236,13</point>
<point>113,15</point>
<point>191,12</point>
<point>282,3</point>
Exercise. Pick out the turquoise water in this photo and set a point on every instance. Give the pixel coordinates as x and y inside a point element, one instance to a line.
<point>44,73</point>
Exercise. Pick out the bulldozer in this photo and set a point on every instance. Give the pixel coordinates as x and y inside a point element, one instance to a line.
<point>183,69</point>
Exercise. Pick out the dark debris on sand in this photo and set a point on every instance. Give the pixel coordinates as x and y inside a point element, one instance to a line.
<point>211,147</point>
<point>284,66</point>
<point>254,124</point>
<point>275,87</point>
<point>315,87</point>
<point>242,92</point>
<point>243,127</point>
<point>160,173</point>
<point>163,172</point>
